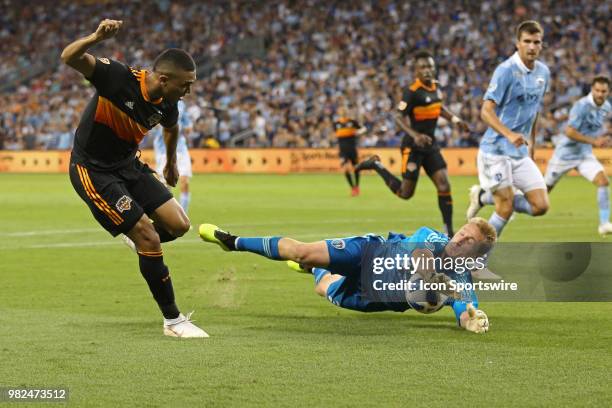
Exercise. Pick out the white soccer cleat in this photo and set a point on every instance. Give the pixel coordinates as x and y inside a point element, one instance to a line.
<point>475,205</point>
<point>183,327</point>
<point>128,242</point>
<point>605,229</point>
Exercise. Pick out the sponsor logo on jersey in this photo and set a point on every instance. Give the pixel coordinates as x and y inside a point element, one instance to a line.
<point>129,104</point>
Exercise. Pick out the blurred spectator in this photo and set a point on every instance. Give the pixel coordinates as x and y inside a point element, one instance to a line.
<point>317,54</point>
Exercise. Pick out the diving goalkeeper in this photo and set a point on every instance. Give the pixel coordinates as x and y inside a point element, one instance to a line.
<point>337,267</point>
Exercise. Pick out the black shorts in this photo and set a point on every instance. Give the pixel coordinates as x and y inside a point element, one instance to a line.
<point>119,198</point>
<point>348,150</point>
<point>413,159</point>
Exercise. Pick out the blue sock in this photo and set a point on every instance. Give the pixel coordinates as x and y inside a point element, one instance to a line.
<point>319,273</point>
<point>603,201</point>
<point>265,246</point>
<point>486,198</point>
<point>185,198</point>
<point>498,222</point>
<point>521,205</point>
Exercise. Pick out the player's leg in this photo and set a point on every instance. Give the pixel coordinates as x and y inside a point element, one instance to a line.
<point>347,168</point>
<point>120,213</point>
<point>527,178</point>
<point>169,223</point>
<point>495,175</point>
<point>593,170</point>
<point>276,248</point>
<point>435,167</point>
<point>352,162</point>
<point>555,170</point>
<point>185,173</point>
<point>170,220</point>
<point>185,193</point>
<point>374,163</point>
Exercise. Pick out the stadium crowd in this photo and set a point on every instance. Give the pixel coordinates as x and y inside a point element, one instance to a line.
<point>318,55</point>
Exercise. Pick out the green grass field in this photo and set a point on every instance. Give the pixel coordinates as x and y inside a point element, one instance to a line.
<point>75,312</point>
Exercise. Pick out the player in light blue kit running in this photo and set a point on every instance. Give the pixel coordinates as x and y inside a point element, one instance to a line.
<point>510,109</point>
<point>574,150</point>
<point>183,160</point>
<point>337,265</point>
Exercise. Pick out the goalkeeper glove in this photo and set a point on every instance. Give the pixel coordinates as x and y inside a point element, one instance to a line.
<point>477,322</point>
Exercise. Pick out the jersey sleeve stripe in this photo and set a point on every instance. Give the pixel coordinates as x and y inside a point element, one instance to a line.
<point>119,122</point>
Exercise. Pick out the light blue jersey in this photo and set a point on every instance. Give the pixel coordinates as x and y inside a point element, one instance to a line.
<point>587,118</point>
<point>158,138</point>
<point>518,93</point>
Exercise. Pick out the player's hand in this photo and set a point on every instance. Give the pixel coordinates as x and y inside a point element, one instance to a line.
<point>463,126</point>
<point>421,140</point>
<point>478,322</point>
<point>601,141</point>
<point>107,29</point>
<point>517,139</point>
<point>171,173</point>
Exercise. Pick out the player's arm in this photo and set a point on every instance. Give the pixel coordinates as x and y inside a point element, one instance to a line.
<point>405,106</point>
<point>75,55</point>
<point>494,96</point>
<point>488,115</point>
<point>171,135</point>
<point>454,119</point>
<point>532,137</point>
<point>579,137</point>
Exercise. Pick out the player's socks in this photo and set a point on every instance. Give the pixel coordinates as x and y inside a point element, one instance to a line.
<point>185,199</point>
<point>603,201</point>
<point>156,274</point>
<point>356,175</point>
<point>498,222</point>
<point>445,202</point>
<point>319,273</point>
<point>164,236</point>
<point>265,246</point>
<point>347,174</point>
<point>521,205</point>
<point>485,197</point>
<point>391,181</point>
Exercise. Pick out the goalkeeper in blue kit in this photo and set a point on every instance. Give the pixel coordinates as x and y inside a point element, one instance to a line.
<point>338,264</point>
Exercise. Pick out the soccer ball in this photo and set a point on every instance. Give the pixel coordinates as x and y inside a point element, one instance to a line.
<point>424,301</point>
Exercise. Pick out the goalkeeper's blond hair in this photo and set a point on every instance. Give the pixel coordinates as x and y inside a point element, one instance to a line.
<point>486,229</point>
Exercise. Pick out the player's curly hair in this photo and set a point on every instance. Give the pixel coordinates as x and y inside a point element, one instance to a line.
<point>175,57</point>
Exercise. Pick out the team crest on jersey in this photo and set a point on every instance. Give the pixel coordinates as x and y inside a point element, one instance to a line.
<point>427,99</point>
<point>124,204</point>
<point>435,237</point>
<point>540,81</point>
<point>338,244</point>
<point>104,61</point>
<point>154,119</point>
